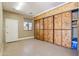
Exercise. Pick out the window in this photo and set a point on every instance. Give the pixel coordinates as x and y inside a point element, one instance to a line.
<point>27,25</point>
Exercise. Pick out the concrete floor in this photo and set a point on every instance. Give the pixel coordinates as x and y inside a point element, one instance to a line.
<point>32,47</point>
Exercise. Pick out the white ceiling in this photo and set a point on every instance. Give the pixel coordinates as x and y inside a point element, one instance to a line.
<point>30,8</point>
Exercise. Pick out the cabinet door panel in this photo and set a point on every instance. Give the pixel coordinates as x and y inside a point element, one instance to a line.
<point>50,36</point>
<point>66,20</point>
<point>45,35</point>
<point>45,23</point>
<point>41,35</point>
<point>57,21</point>
<point>41,24</point>
<point>57,37</point>
<point>37,34</point>
<point>37,24</point>
<point>50,22</point>
<point>66,38</point>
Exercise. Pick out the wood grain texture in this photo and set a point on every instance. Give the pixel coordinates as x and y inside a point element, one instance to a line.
<point>50,36</point>
<point>36,29</point>
<point>46,23</point>
<point>57,37</point>
<point>66,20</point>
<point>66,38</point>
<point>57,21</point>
<point>37,33</point>
<point>41,35</point>
<point>50,22</point>
<point>41,24</point>
<point>45,35</point>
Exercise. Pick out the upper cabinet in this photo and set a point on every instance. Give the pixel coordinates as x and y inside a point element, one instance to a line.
<point>45,23</point>
<point>41,24</point>
<point>66,20</point>
<point>57,21</point>
<point>37,24</point>
<point>50,22</point>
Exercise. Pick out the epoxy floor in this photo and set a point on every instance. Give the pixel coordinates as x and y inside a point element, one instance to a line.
<point>33,47</point>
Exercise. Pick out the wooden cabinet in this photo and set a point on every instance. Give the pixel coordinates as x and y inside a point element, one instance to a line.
<point>57,21</point>
<point>66,20</point>
<point>41,24</point>
<point>36,30</point>
<point>37,34</point>
<point>50,22</point>
<point>66,38</point>
<point>46,23</point>
<point>41,35</point>
<point>50,36</point>
<point>57,37</point>
<point>55,29</point>
<point>37,24</point>
<point>45,35</point>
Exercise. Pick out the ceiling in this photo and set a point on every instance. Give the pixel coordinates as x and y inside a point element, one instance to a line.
<point>29,8</point>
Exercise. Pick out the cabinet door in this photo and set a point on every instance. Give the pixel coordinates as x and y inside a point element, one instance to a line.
<point>45,23</point>
<point>36,29</point>
<point>41,35</point>
<point>57,21</point>
<point>66,20</point>
<point>41,23</point>
<point>37,33</point>
<point>45,35</point>
<point>66,38</point>
<point>50,22</point>
<point>57,37</point>
<point>37,24</point>
<point>50,36</point>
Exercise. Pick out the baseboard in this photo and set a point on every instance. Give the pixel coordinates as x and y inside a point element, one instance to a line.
<point>31,37</point>
<point>26,38</point>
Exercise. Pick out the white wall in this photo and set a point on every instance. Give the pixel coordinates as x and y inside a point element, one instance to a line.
<point>1,29</point>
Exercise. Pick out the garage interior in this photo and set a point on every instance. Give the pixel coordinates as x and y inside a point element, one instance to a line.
<point>39,29</point>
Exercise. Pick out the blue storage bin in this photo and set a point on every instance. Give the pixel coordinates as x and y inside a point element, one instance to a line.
<point>74,43</point>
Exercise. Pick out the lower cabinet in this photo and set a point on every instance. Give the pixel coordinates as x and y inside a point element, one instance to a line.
<point>57,37</point>
<point>37,34</point>
<point>66,38</point>
<point>41,35</point>
<point>45,35</point>
<point>50,36</point>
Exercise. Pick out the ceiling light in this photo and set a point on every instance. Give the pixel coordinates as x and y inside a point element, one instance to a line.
<point>19,6</point>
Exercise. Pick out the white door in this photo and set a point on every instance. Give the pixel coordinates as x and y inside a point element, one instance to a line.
<point>11,30</point>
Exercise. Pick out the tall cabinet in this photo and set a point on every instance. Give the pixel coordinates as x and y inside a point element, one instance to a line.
<point>56,29</point>
<point>66,29</point>
<point>48,29</point>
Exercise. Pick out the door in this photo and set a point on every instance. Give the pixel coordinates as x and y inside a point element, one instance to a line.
<point>57,37</point>
<point>11,32</point>
<point>41,35</point>
<point>57,21</point>
<point>50,23</point>
<point>46,23</point>
<point>66,38</point>
<point>66,20</point>
<point>50,36</point>
<point>45,35</point>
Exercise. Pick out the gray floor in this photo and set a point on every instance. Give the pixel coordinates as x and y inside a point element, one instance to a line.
<point>32,47</point>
